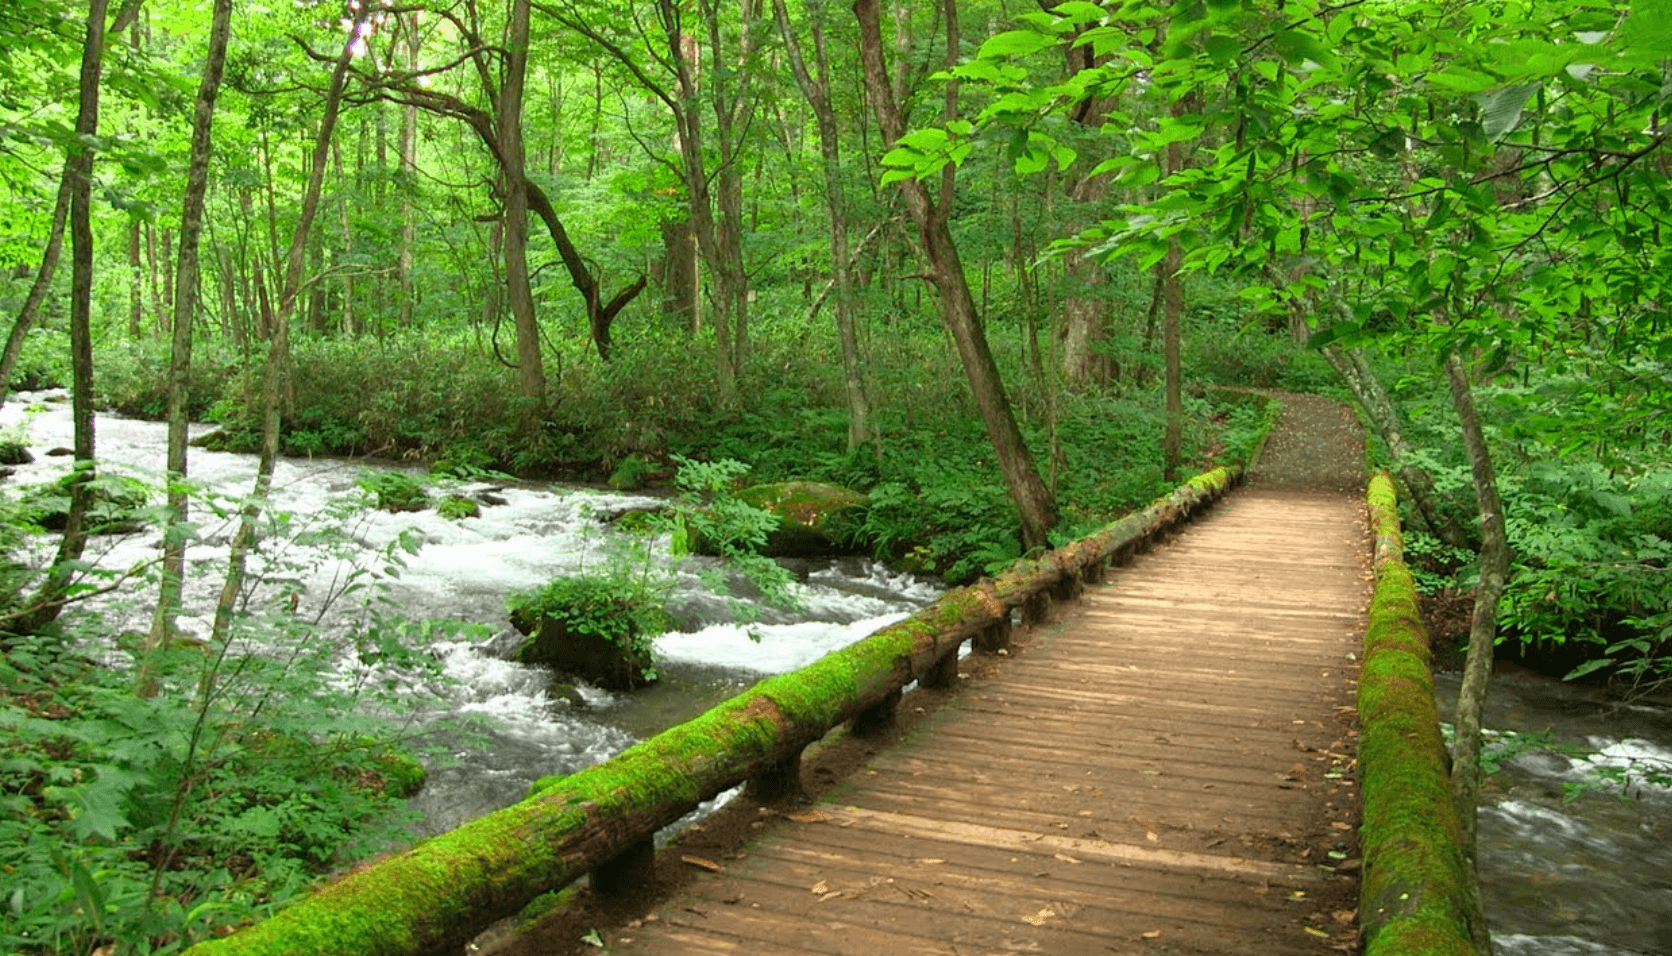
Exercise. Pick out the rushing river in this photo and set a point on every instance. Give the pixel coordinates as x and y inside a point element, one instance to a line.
<point>463,570</point>
<point>1589,876</point>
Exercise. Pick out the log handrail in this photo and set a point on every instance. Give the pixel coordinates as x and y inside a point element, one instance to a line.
<point>441,893</point>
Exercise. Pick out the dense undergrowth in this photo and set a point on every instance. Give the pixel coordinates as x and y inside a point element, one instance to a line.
<point>1588,510</point>
<point>938,501</point>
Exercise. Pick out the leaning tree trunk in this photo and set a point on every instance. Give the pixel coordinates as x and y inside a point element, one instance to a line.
<point>1034,503</point>
<point>1361,379</point>
<point>1483,628</point>
<point>37,292</point>
<point>186,288</point>
<point>275,376</point>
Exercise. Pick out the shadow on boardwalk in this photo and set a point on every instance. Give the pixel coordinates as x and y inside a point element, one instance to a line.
<point>1165,767</point>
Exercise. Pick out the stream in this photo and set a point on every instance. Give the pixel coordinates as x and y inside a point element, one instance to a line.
<point>1590,876</point>
<point>463,570</point>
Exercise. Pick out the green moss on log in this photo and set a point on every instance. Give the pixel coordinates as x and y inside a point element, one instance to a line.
<point>1413,901</point>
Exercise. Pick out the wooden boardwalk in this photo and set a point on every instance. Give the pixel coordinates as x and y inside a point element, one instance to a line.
<point>1163,768</point>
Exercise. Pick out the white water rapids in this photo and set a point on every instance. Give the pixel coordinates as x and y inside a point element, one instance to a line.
<point>464,570</point>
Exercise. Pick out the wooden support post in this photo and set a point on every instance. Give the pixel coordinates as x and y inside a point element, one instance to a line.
<point>995,638</point>
<point>878,719</point>
<point>779,784</point>
<point>1095,572</point>
<point>944,673</point>
<point>1035,608</point>
<point>628,874</point>
<point>1068,589</point>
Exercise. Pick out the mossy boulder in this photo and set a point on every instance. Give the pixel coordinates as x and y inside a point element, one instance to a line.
<point>595,658</point>
<point>599,629</point>
<point>15,453</point>
<point>809,513</point>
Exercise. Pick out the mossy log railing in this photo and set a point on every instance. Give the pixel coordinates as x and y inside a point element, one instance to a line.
<point>438,895</point>
<point>1417,897</point>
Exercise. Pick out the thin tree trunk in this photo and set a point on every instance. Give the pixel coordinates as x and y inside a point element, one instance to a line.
<point>817,92</point>
<point>136,283</point>
<point>1172,317</point>
<point>1366,387</point>
<point>1483,631</point>
<point>78,173</point>
<point>42,284</point>
<point>275,379</point>
<point>180,356</point>
<point>409,176</point>
<point>1034,504</point>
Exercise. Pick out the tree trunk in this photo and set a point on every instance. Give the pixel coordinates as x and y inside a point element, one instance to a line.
<point>409,175</point>
<point>531,371</point>
<point>817,92</point>
<point>1361,379</point>
<point>1483,627</point>
<point>275,378</point>
<point>180,356</point>
<point>42,284</point>
<point>1034,504</point>
<point>78,174</point>
<point>1172,317</point>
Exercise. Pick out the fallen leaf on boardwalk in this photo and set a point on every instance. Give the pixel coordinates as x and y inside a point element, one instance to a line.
<point>1152,838</point>
<point>931,859</point>
<point>1065,858</point>
<point>1153,934</point>
<point>1338,825</point>
<point>1039,918</point>
<point>820,888</point>
<point>833,894</point>
<point>814,817</point>
<point>1317,932</point>
<point>702,864</point>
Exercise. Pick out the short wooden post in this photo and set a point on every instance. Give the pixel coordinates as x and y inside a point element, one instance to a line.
<point>629,873</point>
<point>944,672</point>
<point>780,783</point>
<point>1035,608</point>
<point>995,638</point>
<point>877,719</point>
<point>1068,589</point>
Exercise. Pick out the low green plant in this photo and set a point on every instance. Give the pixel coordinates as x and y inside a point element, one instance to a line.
<point>457,507</point>
<point>393,490</point>
<point>624,606</point>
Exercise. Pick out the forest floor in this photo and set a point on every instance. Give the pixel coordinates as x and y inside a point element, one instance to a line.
<point>1234,801</point>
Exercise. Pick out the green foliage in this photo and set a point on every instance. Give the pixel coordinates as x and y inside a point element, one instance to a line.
<point>623,604</point>
<point>393,491</point>
<point>458,507</point>
<point>707,516</point>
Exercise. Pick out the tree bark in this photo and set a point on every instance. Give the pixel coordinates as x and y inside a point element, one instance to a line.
<point>78,176</point>
<point>1483,627</point>
<point>1366,387</point>
<point>531,371</point>
<point>817,92</point>
<point>1034,504</point>
<point>180,356</point>
<point>275,377</point>
<point>1172,317</point>
<point>43,283</point>
<point>409,174</point>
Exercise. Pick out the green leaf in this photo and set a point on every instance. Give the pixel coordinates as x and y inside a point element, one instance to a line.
<point>1015,43</point>
<point>1500,109</point>
<point>1588,667</point>
<point>1464,80</point>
